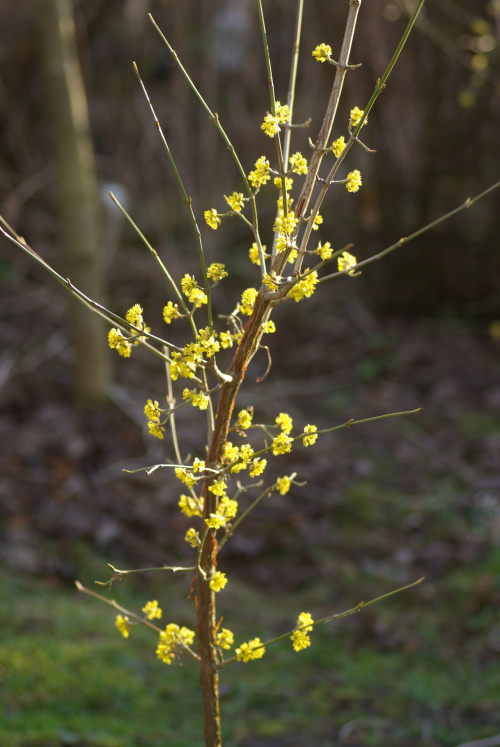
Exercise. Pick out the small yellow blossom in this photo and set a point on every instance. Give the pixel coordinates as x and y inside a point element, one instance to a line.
<point>118,342</point>
<point>195,398</point>
<point>228,508</point>
<point>155,429</point>
<point>285,224</point>
<point>123,625</point>
<point>353,181</point>
<point>152,410</point>
<point>134,316</point>
<point>224,639</point>
<point>304,288</point>
<point>231,452</point>
<point>212,219</point>
<point>269,327</point>
<point>356,115</point>
<point>312,436</point>
<point>318,220</point>
<point>193,292</point>
<point>324,250</point>
<point>198,465</point>
<point>283,485</point>
<point>298,163</point>
<point>285,422</point>
<point>258,467</point>
<point>299,637</point>
<point>281,243</point>
<point>218,581</point>
<point>226,339</point>
<point>235,201</point>
<point>218,488</point>
<point>322,52</point>
<point>270,125</point>
<point>192,537</point>
<point>170,312</point>
<point>346,262</point>
<point>282,444</point>
<point>184,476</point>
<point>216,521</point>
<point>244,419</point>
<point>278,182</point>
<point>261,173</point>
<point>251,650</point>
<point>247,301</point>
<point>216,271</point>
<point>151,610</point>
<point>191,507</point>
<point>282,112</point>
<point>338,146</point>
<point>170,639</point>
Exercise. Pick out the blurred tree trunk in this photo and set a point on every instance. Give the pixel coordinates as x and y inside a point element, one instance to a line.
<point>66,106</point>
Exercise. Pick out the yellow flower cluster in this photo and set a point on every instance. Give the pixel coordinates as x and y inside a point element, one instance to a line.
<point>247,301</point>
<point>216,271</point>
<point>338,146</point>
<point>353,181</point>
<point>356,115</point>
<point>218,581</point>
<point>261,173</point>
<point>312,436</point>
<point>300,639</point>
<point>151,610</point>
<point>244,420</point>
<point>298,163</point>
<point>185,476</point>
<point>224,639</point>
<point>192,291</point>
<point>192,537</point>
<point>283,485</point>
<point>324,250</point>
<point>278,182</point>
<point>191,506</point>
<point>346,262</point>
<point>285,422</point>
<point>271,124</point>
<point>318,220</point>
<point>117,340</point>
<point>212,218</point>
<point>251,650</point>
<point>170,640</point>
<point>322,52</point>
<point>123,625</point>
<point>235,201</point>
<point>153,413</point>
<point>196,398</point>
<point>281,444</point>
<point>285,224</point>
<point>304,288</point>
<point>170,312</point>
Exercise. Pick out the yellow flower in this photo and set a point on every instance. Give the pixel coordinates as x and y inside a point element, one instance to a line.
<point>134,315</point>
<point>282,444</point>
<point>184,476</point>
<point>279,183</point>
<point>298,163</point>
<point>310,439</point>
<point>356,115</point>
<point>247,301</point>
<point>338,146</point>
<point>218,488</point>
<point>155,429</point>
<point>151,610</point>
<point>196,399</point>
<point>282,112</point>
<point>251,650</point>
<point>216,521</point>
<point>218,581</point>
<point>118,342</point>
<point>255,255</point>
<point>304,288</point>
<point>212,218</point>
<point>258,467</point>
<point>216,271</point>
<point>244,419</point>
<point>346,262</point>
<point>283,485</point>
<point>226,339</point>
<point>170,639</point>
<point>152,410</point>
<point>235,201</point>
<point>318,220</point>
<point>192,537</point>
<point>322,52</point>
<point>261,174</point>
<point>191,507</point>
<point>353,181</point>
<point>271,125</point>
<point>299,637</point>
<point>224,638</point>
<point>170,312</point>
<point>269,327</point>
<point>324,251</point>
<point>285,422</point>
<point>285,224</point>
<point>123,625</point>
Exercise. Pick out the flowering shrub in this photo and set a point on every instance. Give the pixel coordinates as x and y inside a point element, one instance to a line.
<point>214,485</point>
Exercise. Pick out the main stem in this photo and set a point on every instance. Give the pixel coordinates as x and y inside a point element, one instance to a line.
<point>206,609</point>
